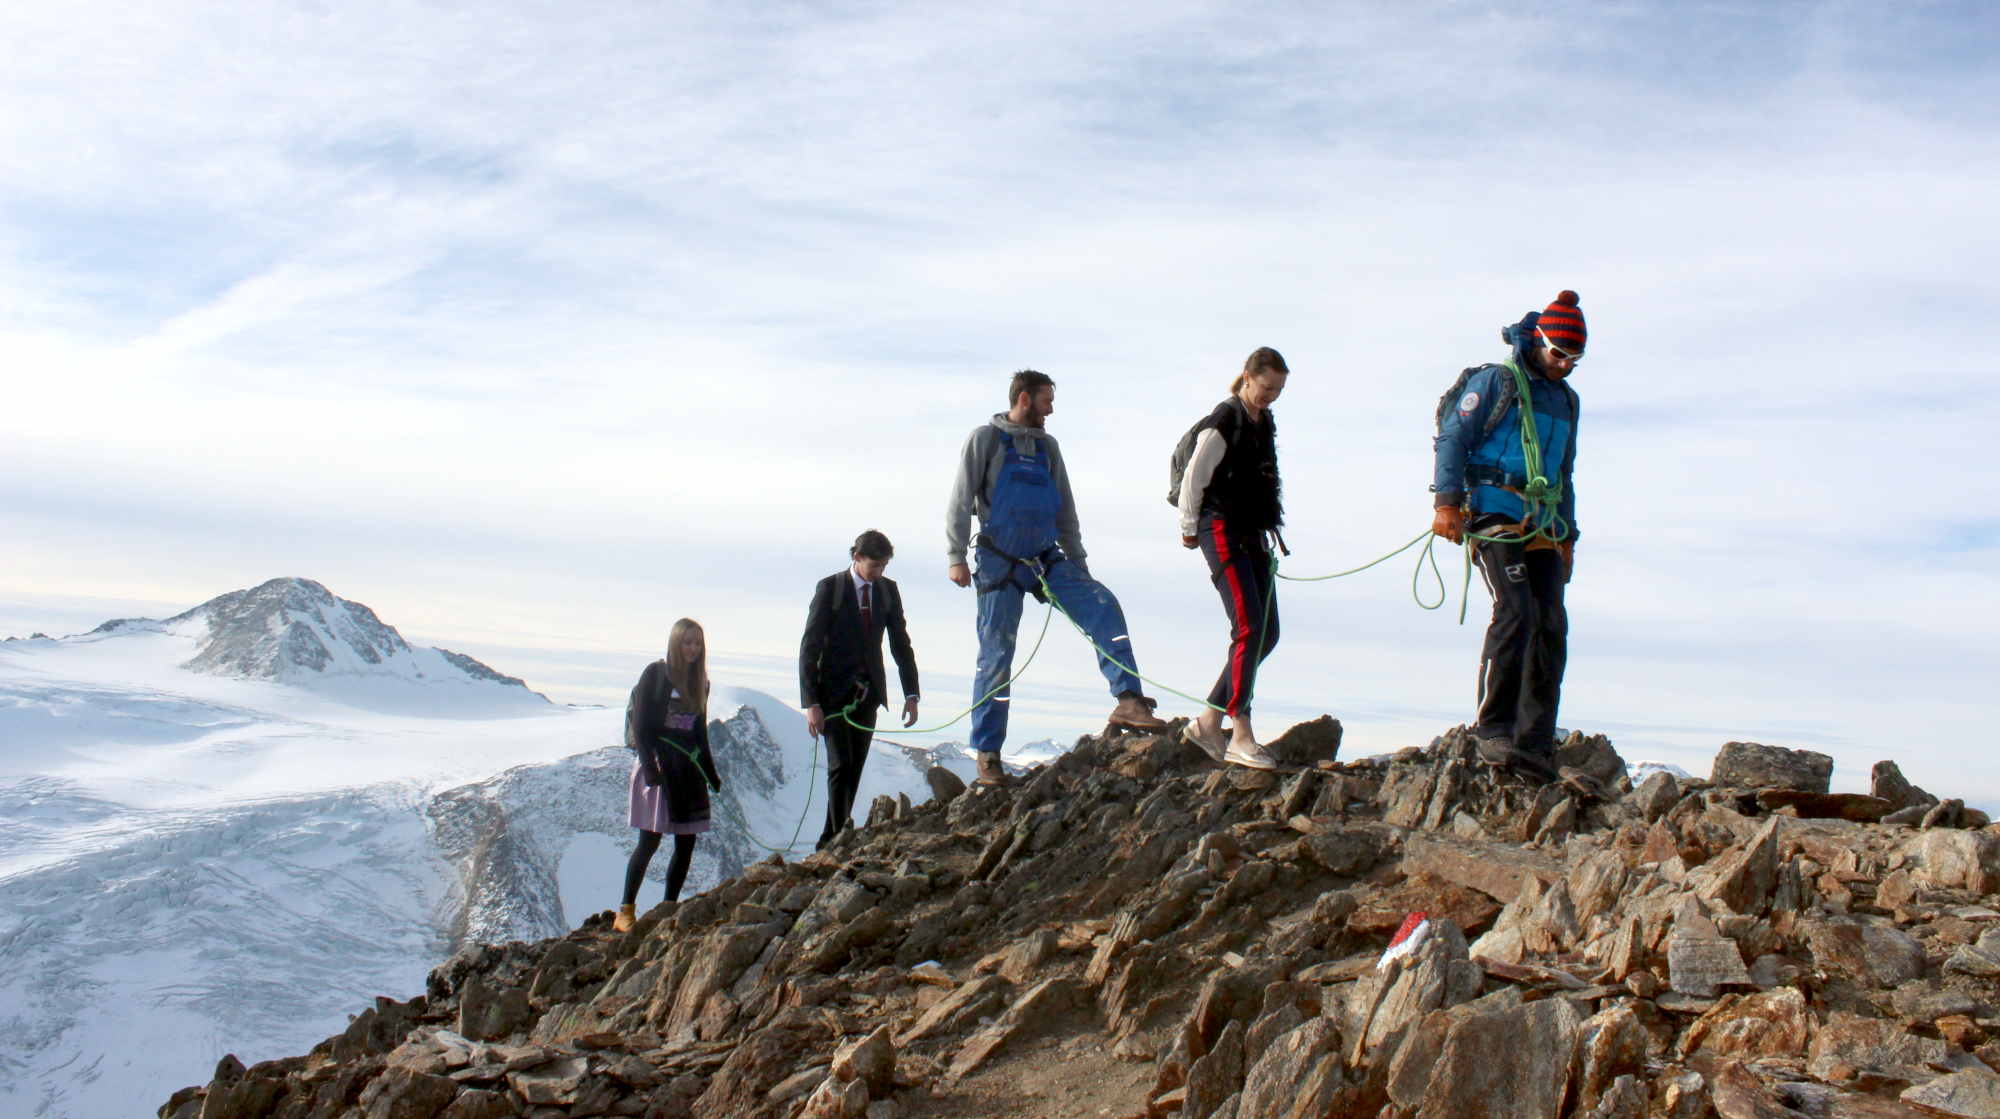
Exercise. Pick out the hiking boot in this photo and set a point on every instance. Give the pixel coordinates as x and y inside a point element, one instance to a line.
<point>1214,745</point>
<point>1495,750</point>
<point>625,920</point>
<point>1135,712</point>
<point>991,773</point>
<point>1252,756</point>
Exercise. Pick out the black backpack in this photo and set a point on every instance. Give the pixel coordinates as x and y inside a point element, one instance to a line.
<point>1177,465</point>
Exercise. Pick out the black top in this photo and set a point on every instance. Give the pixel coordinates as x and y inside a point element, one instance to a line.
<point>834,655</point>
<point>1245,491</point>
<point>680,759</point>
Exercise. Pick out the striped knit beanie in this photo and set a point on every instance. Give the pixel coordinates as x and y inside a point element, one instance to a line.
<point>1562,323</point>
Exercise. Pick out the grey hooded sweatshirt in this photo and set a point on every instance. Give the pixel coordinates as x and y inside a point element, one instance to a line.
<point>979,466</point>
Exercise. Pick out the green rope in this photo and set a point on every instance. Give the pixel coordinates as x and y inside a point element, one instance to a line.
<point>1003,685</point>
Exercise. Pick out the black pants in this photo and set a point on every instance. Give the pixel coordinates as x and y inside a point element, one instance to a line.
<point>846,754</point>
<point>1240,566</point>
<point>1527,643</point>
<point>642,855</point>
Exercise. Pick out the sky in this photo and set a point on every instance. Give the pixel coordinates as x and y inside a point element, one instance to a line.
<point>536,327</point>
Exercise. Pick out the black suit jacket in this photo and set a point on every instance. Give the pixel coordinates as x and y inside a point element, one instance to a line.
<point>834,654</point>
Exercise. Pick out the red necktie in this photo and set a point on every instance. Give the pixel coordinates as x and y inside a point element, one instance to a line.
<point>867,614</point>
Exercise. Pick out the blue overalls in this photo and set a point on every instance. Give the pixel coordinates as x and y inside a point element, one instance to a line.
<point>1018,535</point>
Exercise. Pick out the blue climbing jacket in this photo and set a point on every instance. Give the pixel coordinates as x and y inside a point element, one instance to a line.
<point>1478,457</point>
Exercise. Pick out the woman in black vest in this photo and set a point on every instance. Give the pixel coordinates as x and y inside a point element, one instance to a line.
<point>1231,509</point>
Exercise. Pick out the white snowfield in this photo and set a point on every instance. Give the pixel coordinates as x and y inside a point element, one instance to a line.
<point>196,864</point>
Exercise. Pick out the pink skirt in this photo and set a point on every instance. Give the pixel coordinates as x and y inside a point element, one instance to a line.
<point>649,809</point>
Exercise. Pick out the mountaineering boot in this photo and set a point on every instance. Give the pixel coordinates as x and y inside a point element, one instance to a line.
<point>990,771</point>
<point>1208,739</point>
<point>1495,749</point>
<point>1249,755</point>
<point>625,920</point>
<point>1135,712</point>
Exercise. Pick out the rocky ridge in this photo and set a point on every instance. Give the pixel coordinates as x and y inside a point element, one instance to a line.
<point>1131,931</point>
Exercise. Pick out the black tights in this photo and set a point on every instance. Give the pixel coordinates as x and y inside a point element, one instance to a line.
<point>677,870</point>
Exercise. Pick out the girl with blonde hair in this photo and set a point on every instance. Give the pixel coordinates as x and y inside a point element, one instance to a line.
<point>674,771</point>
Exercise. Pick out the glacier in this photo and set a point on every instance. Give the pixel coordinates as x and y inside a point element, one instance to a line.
<point>224,832</point>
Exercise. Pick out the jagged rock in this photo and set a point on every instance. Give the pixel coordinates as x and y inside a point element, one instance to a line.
<point>1514,1064</point>
<point>403,1094</point>
<point>1744,876</point>
<point>1217,1077</point>
<point>1848,1045</point>
<point>1825,806</point>
<point>1498,870</point>
<point>945,785</point>
<point>1047,998</point>
<point>479,1103</point>
<point>1627,1098</point>
<point>1437,975</point>
<point>1970,1093</point>
<point>872,1060</point>
<point>554,1082</point>
<point>1304,744</point>
<point>1702,965</point>
<point>1381,914</point>
<point>1747,1027</point>
<point>1947,813</point>
<point>1611,1047</point>
<point>980,998</point>
<point>1955,860</point>
<point>837,1099</point>
<point>1753,765</point>
<point>1980,958</point>
<point>1737,1094</point>
<point>1655,796</point>
<point>1594,756</point>
<point>1539,921</point>
<point>489,1014</point>
<point>1886,781</point>
<point>1297,1077</point>
<point>1876,954</point>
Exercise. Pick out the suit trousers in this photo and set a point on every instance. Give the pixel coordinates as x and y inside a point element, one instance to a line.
<point>846,754</point>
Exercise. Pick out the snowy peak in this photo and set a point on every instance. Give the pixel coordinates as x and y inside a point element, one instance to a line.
<point>295,631</point>
<point>278,629</point>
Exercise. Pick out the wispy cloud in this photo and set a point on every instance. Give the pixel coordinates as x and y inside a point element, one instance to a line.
<point>525,321</point>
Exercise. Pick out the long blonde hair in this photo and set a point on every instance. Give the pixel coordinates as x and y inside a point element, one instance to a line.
<point>690,678</point>
<point>1263,359</point>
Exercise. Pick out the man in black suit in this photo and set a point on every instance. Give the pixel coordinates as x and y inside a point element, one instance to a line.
<point>840,661</point>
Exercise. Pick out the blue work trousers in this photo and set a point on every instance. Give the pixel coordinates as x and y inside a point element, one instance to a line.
<point>1085,599</point>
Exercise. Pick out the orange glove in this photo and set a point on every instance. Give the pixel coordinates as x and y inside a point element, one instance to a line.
<point>1568,550</point>
<point>1448,521</point>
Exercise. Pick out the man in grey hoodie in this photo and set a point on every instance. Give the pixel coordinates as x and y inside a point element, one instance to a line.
<point>1011,475</point>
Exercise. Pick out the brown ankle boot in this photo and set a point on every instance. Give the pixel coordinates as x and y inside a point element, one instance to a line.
<point>1136,712</point>
<point>991,772</point>
<point>625,920</point>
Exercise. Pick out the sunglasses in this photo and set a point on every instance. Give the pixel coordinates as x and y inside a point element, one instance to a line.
<point>1559,351</point>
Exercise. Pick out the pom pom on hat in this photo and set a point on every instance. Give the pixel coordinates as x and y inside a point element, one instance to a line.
<point>1562,323</point>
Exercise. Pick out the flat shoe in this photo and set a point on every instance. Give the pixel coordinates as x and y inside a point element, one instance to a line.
<point>1252,757</point>
<point>1216,748</point>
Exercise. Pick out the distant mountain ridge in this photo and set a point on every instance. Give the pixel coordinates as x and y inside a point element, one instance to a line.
<point>295,630</point>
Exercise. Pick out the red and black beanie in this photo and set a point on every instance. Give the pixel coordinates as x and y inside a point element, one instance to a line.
<point>1562,323</point>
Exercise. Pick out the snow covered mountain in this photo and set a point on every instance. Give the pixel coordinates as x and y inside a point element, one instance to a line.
<point>224,831</point>
<point>295,631</point>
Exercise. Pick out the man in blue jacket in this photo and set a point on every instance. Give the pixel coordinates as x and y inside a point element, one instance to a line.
<point>1507,477</point>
